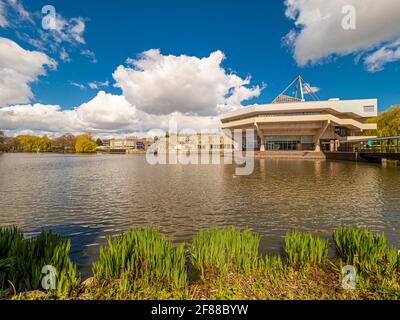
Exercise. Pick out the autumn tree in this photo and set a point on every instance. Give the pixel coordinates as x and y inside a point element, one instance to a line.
<point>34,143</point>
<point>85,144</point>
<point>388,123</point>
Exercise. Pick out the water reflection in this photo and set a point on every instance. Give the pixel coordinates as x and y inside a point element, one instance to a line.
<point>88,198</point>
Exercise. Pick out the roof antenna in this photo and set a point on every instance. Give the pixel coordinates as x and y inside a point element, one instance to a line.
<point>302,88</point>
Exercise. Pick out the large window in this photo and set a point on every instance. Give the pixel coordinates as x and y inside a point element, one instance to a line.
<point>289,143</point>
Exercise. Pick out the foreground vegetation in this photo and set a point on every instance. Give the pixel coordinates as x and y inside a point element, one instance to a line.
<point>22,261</point>
<point>218,264</point>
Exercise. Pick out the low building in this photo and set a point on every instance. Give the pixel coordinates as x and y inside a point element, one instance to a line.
<point>127,144</point>
<point>193,143</point>
<point>292,123</point>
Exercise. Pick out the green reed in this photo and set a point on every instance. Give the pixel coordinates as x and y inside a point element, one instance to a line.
<point>141,255</point>
<point>302,249</point>
<point>224,249</point>
<point>366,250</point>
<point>23,260</point>
<point>8,236</point>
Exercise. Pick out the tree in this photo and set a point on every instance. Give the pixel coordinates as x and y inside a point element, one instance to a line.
<point>85,144</point>
<point>99,142</point>
<point>388,123</point>
<point>29,143</point>
<point>35,144</point>
<point>44,144</point>
<point>2,139</point>
<point>11,144</point>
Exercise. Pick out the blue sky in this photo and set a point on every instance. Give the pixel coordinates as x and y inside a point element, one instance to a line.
<point>249,33</point>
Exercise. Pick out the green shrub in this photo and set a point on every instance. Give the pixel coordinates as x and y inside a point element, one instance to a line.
<point>142,256</point>
<point>24,259</point>
<point>225,249</point>
<point>365,250</point>
<point>303,249</point>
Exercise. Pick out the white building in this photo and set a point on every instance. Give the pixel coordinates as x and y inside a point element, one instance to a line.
<point>292,123</point>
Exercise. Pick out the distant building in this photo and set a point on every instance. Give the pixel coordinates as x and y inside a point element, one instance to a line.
<point>106,143</point>
<point>193,143</point>
<point>124,145</point>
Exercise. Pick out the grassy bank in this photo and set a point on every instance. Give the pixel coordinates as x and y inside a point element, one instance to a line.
<point>218,264</point>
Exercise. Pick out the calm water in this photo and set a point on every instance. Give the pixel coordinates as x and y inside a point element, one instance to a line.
<point>88,198</point>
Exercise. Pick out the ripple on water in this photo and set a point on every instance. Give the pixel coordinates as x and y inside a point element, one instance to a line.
<point>89,199</point>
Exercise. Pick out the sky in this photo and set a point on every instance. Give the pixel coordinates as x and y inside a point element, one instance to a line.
<point>116,67</point>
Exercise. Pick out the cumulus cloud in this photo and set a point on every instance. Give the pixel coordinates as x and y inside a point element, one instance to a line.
<point>194,93</point>
<point>105,113</point>
<point>18,69</point>
<point>36,117</point>
<point>162,84</point>
<point>318,33</point>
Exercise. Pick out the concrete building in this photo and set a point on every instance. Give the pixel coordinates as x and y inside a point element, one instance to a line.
<point>193,143</point>
<point>129,143</point>
<point>290,123</point>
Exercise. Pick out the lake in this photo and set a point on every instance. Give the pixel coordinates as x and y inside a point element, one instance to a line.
<point>89,198</point>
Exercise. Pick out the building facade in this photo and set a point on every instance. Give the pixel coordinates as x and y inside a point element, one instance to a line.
<point>129,143</point>
<point>292,123</point>
<point>196,143</point>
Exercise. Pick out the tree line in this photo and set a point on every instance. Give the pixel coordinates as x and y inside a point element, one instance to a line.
<point>388,123</point>
<point>388,126</point>
<point>67,143</point>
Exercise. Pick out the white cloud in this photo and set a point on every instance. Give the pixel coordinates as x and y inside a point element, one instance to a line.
<point>3,19</point>
<point>318,32</point>
<point>389,53</point>
<point>97,84</point>
<point>18,69</point>
<point>67,30</point>
<point>90,55</point>
<point>163,84</point>
<point>63,40</point>
<point>308,87</point>
<point>35,117</point>
<point>76,84</point>
<point>105,113</point>
<point>192,82</point>
<point>22,13</point>
<point>64,55</point>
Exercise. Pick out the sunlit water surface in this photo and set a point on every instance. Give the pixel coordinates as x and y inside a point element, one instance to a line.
<point>89,198</point>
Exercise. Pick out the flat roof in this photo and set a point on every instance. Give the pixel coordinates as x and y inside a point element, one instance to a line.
<point>355,107</point>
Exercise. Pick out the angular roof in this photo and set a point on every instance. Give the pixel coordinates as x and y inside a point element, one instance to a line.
<point>297,91</point>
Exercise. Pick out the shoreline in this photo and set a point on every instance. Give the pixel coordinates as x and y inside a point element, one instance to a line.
<point>225,263</point>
